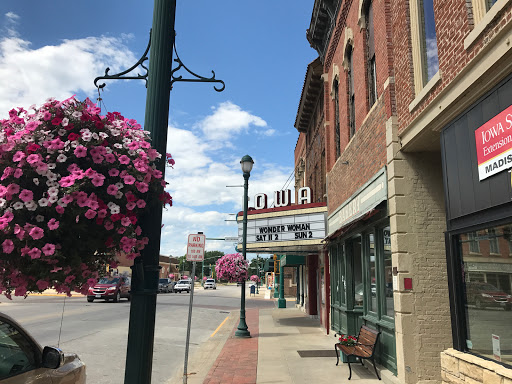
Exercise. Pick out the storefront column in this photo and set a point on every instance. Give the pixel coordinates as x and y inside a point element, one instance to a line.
<point>302,283</point>
<point>312,304</point>
<point>297,279</point>
<point>417,225</point>
<point>281,302</point>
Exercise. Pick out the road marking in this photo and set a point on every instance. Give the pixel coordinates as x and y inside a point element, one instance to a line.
<point>221,324</point>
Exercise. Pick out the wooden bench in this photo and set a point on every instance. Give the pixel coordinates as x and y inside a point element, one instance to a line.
<point>363,349</point>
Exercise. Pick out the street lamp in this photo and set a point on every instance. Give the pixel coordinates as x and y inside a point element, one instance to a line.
<point>246,164</point>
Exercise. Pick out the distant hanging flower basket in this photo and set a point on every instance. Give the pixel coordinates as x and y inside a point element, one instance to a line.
<point>255,278</point>
<point>232,268</point>
<point>171,275</point>
<point>73,185</point>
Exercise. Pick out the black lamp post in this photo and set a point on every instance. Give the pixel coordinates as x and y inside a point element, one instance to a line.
<point>246,164</point>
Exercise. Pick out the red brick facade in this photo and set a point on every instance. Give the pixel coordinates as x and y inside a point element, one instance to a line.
<point>365,152</point>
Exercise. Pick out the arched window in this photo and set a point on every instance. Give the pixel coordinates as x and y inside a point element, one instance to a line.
<point>337,117</point>
<point>371,66</point>
<point>351,94</point>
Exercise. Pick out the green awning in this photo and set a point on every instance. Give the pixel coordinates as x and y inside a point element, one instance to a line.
<point>293,260</point>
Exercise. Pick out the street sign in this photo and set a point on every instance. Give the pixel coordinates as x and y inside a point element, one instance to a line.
<point>195,247</point>
<point>232,238</point>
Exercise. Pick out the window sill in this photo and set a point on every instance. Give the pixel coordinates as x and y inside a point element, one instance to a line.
<point>484,23</point>
<point>426,90</point>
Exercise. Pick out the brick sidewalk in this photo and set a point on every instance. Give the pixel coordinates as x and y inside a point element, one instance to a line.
<point>238,361</point>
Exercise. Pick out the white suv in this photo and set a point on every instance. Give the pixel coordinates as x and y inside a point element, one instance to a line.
<point>210,283</point>
<point>183,285</point>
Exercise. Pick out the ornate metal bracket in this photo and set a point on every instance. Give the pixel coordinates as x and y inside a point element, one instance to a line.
<point>199,79</point>
<point>119,76</point>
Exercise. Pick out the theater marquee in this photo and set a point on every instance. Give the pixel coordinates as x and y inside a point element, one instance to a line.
<point>291,229</point>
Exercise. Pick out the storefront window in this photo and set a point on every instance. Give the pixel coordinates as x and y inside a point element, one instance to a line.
<point>357,271</point>
<point>372,302</point>
<point>488,289</point>
<point>388,273</point>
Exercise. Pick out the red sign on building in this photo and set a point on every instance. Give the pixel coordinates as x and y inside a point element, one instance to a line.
<point>494,144</point>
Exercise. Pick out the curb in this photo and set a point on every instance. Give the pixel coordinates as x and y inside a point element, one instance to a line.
<point>202,360</point>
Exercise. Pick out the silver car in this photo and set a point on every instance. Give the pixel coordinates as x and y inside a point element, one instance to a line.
<point>23,361</point>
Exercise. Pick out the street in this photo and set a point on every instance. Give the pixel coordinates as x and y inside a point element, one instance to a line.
<point>98,331</point>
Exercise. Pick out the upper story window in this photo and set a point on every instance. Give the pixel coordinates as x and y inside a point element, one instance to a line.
<point>372,68</point>
<point>337,117</point>
<point>351,94</point>
<point>480,8</point>
<point>424,42</point>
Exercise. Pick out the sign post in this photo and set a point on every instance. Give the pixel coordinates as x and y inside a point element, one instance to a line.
<point>195,252</point>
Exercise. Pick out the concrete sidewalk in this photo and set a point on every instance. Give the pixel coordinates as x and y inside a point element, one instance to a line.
<point>286,346</point>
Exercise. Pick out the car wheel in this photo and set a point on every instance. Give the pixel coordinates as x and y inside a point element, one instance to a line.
<point>90,300</point>
<point>129,297</point>
<point>118,297</point>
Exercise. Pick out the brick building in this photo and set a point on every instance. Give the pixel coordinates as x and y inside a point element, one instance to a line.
<point>355,51</point>
<point>449,193</point>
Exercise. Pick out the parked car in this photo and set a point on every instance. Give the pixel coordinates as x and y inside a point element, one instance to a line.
<point>183,285</point>
<point>210,283</point>
<point>165,285</point>
<point>110,288</point>
<point>487,295</point>
<point>22,360</point>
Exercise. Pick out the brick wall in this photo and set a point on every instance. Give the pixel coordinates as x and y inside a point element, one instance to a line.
<point>454,22</point>
<point>417,223</point>
<point>366,150</point>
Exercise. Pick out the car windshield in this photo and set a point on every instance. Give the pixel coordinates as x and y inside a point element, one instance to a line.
<point>210,281</point>
<point>183,282</point>
<point>163,280</point>
<point>108,280</point>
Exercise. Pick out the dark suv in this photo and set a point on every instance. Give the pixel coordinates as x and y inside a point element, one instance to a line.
<point>486,295</point>
<point>110,288</point>
<point>165,285</point>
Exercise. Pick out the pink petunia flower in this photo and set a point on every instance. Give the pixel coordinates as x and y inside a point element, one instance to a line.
<point>90,214</point>
<point>18,156</point>
<point>123,159</point>
<point>80,151</point>
<point>26,195</point>
<point>8,246</point>
<point>112,189</point>
<point>36,233</point>
<point>125,221</point>
<point>141,203</point>
<point>67,181</point>
<point>53,224</point>
<point>42,284</point>
<point>142,187</point>
<point>34,253</point>
<point>129,180</point>
<point>48,249</point>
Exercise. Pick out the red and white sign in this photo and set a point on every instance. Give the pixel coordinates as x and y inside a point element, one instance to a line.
<point>195,247</point>
<point>494,145</point>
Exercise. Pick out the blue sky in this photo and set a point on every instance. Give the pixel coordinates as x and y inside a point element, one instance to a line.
<point>57,48</point>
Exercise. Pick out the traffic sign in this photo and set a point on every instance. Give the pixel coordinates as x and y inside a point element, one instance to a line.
<point>229,238</point>
<point>195,247</point>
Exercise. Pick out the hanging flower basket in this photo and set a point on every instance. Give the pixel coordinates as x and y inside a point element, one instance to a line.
<point>73,186</point>
<point>255,278</point>
<point>232,268</point>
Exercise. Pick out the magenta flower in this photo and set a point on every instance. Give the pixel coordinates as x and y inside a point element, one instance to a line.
<point>124,159</point>
<point>48,249</point>
<point>53,224</point>
<point>80,151</point>
<point>113,172</point>
<point>129,180</point>
<point>36,233</point>
<point>67,181</point>
<point>98,180</point>
<point>8,246</point>
<point>26,195</point>
<point>112,189</point>
<point>18,156</point>
<point>142,187</point>
<point>34,253</point>
<point>141,203</point>
<point>42,284</point>
<point>33,158</point>
<point>90,214</point>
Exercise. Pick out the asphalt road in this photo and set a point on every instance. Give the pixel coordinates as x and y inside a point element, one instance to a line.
<point>98,331</point>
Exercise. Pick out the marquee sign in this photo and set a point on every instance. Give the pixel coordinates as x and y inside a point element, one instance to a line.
<point>494,145</point>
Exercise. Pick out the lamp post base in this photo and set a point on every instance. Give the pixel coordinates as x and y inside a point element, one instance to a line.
<point>281,303</point>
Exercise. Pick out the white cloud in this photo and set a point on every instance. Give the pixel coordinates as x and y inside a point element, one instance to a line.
<point>228,119</point>
<point>56,70</point>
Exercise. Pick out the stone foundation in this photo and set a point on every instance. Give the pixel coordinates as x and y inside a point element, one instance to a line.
<point>463,368</point>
